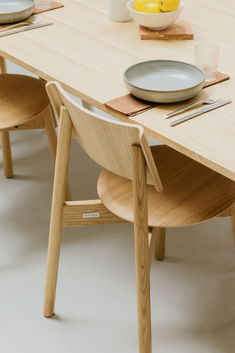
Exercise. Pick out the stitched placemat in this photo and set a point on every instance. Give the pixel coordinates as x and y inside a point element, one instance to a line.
<point>179,30</point>
<point>52,6</point>
<point>131,106</point>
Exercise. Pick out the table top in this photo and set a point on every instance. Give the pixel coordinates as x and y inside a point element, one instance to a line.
<point>87,54</point>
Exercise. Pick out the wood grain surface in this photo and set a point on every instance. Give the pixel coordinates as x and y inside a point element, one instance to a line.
<point>92,52</point>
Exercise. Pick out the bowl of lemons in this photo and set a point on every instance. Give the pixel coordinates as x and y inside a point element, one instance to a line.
<point>155,14</point>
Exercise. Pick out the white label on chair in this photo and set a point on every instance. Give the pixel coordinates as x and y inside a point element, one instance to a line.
<point>91,215</point>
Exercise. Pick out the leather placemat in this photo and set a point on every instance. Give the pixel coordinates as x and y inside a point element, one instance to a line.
<point>131,106</point>
<point>179,30</point>
<point>52,6</point>
<point>220,77</point>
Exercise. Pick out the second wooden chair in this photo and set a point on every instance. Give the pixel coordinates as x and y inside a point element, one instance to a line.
<point>152,188</point>
<point>24,105</point>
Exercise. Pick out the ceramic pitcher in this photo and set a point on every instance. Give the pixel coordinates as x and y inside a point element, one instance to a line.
<point>118,11</point>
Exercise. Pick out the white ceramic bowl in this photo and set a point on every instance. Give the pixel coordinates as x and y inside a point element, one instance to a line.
<point>164,81</point>
<point>154,21</point>
<point>15,10</point>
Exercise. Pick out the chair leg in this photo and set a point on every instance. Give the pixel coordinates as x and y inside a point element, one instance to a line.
<point>49,122</point>
<point>142,251</point>
<point>160,243</point>
<point>51,133</point>
<point>59,191</point>
<point>233,220</point>
<point>3,65</point>
<point>6,154</point>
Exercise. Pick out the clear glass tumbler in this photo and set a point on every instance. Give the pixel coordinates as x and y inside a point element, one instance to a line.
<point>207,58</point>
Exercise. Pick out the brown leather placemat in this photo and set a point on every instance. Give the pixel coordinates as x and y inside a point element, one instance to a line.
<point>131,106</point>
<point>220,77</point>
<point>52,6</point>
<point>179,30</point>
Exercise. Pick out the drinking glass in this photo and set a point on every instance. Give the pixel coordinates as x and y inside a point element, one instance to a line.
<point>207,58</point>
<point>42,4</point>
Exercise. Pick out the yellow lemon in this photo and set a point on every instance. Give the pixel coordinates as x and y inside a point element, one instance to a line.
<point>152,7</point>
<point>169,5</point>
<point>138,4</point>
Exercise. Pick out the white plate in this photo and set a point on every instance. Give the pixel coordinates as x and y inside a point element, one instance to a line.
<point>164,81</point>
<point>15,10</point>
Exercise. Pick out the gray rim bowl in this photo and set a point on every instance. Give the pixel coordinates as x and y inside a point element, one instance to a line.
<point>15,11</point>
<point>154,80</point>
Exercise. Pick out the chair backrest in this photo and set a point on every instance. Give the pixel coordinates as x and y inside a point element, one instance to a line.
<point>106,141</point>
<point>55,98</point>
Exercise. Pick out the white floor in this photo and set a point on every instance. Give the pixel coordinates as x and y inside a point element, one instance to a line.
<point>193,290</point>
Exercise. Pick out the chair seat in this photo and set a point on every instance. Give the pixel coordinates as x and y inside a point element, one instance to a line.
<point>192,193</point>
<point>22,98</point>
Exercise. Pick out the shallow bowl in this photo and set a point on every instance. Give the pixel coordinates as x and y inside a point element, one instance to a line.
<point>15,10</point>
<point>164,81</point>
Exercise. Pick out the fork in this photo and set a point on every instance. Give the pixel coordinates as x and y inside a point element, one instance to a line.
<point>213,99</point>
<point>33,21</point>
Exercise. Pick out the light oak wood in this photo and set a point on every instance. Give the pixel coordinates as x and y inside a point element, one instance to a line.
<point>117,136</point>
<point>84,31</point>
<point>23,98</point>
<point>51,132</point>
<point>120,47</point>
<point>58,199</point>
<point>226,213</point>
<point>55,99</point>
<point>141,249</point>
<point>86,105</point>
<point>31,125</point>
<point>5,137</point>
<point>187,193</point>
<point>213,142</point>
<point>111,135</point>
<point>24,104</point>
<point>151,240</point>
<point>191,192</point>
<point>87,212</point>
<point>66,213</point>
<point>3,65</point>
<point>6,154</point>
<point>160,243</point>
<point>233,220</point>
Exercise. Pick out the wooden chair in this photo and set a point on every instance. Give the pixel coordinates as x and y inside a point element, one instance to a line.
<point>24,105</point>
<point>152,188</point>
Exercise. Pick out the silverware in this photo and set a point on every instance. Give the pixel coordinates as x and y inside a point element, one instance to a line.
<point>199,112</point>
<point>210,100</point>
<point>25,29</point>
<point>33,21</point>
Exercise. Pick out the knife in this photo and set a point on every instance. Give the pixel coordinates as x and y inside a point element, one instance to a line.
<point>28,28</point>
<point>200,112</point>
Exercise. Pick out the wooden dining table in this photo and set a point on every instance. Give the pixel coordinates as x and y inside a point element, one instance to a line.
<point>87,53</point>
